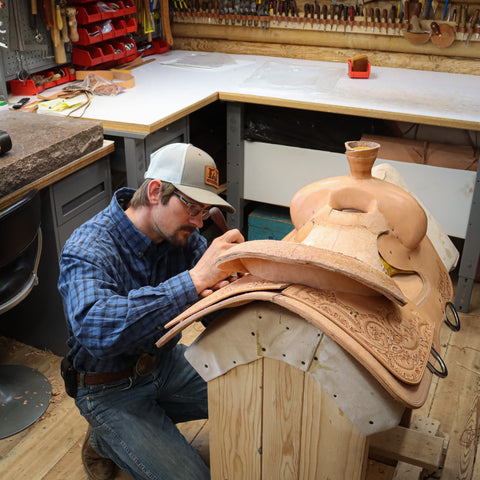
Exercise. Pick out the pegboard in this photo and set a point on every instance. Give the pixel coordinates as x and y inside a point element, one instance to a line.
<point>37,51</point>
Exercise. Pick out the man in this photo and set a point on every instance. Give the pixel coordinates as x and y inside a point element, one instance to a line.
<point>123,275</point>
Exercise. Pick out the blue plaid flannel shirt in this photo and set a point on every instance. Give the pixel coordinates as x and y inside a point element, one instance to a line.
<point>119,288</point>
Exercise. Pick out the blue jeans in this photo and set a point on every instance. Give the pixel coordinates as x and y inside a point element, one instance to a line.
<point>133,420</point>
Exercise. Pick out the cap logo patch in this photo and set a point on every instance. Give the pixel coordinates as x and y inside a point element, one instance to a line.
<point>211,176</point>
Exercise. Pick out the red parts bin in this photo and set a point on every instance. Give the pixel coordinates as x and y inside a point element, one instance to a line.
<point>158,46</point>
<point>28,87</point>
<point>91,13</point>
<point>356,74</point>
<point>90,34</point>
<point>103,53</point>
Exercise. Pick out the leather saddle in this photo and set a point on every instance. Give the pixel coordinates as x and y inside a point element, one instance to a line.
<point>359,266</point>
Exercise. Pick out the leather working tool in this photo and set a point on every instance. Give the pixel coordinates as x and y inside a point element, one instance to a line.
<point>217,216</point>
<point>443,35</point>
<point>359,266</point>
<point>462,20</point>
<point>417,35</point>
<point>165,16</point>
<point>472,25</point>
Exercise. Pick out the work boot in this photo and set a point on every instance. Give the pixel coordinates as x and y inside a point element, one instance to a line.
<point>97,467</point>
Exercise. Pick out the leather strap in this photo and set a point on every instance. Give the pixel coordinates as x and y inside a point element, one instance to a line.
<point>99,378</point>
<point>145,365</point>
<point>124,79</point>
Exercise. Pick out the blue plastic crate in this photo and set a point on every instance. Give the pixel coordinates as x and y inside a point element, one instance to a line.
<point>269,222</point>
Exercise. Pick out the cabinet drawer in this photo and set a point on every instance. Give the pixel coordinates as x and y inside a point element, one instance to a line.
<point>64,231</point>
<point>83,189</point>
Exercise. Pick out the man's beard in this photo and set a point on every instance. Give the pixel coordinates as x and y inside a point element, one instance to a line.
<point>180,237</point>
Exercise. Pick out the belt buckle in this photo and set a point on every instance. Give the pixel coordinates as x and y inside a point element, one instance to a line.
<point>145,364</point>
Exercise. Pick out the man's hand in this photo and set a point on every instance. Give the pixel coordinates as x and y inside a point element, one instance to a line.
<point>205,275</point>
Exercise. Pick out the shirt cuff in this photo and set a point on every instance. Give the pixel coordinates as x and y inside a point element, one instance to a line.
<point>184,290</point>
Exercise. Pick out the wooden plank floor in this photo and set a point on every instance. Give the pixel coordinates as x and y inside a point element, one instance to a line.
<point>50,449</point>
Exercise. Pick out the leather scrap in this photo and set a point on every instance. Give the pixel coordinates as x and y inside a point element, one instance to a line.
<point>123,79</point>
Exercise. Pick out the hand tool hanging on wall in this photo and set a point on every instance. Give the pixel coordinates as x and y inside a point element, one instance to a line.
<point>461,22</point>
<point>385,19</point>
<point>477,25</point>
<point>445,10</point>
<point>429,7</point>
<point>473,22</point>
<point>306,13</point>
<point>165,19</point>
<point>401,17</point>
<point>393,16</point>
<point>318,13</point>
<point>71,13</point>
<point>148,24</point>
<point>417,35</point>
<point>377,18</point>
<point>339,14</point>
<point>58,45</point>
<point>443,35</point>
<point>16,41</point>
<point>38,37</point>
<point>325,16</point>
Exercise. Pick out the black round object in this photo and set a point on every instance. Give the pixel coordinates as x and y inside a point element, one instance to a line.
<point>5,142</point>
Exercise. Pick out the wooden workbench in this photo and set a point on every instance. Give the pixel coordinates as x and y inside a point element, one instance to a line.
<point>178,83</point>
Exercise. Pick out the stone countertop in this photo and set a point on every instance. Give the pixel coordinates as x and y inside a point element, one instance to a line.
<point>42,144</point>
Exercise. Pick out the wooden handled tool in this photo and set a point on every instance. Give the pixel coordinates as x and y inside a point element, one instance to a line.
<point>443,34</point>
<point>58,16</point>
<point>72,23</point>
<point>148,25</point>
<point>217,216</point>
<point>473,22</point>
<point>58,46</point>
<point>65,37</point>
<point>417,35</point>
<point>165,13</point>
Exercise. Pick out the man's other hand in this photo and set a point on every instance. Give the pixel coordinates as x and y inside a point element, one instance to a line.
<point>205,275</point>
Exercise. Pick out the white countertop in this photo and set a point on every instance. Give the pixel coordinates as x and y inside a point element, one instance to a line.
<point>179,82</point>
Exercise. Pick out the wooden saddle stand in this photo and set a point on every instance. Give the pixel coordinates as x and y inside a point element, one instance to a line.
<point>330,336</point>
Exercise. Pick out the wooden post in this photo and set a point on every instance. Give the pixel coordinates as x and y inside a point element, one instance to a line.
<point>269,420</point>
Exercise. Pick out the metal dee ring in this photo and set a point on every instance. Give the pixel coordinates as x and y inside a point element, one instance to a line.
<point>454,326</point>
<point>439,373</point>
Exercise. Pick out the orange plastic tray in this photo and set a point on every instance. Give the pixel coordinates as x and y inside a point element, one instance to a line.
<point>353,74</point>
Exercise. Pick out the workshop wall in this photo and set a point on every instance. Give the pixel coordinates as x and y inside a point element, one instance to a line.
<point>386,31</point>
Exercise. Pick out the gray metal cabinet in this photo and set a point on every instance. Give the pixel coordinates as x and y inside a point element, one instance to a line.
<point>79,197</point>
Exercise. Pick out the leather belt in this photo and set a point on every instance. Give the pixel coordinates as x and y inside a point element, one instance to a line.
<point>145,365</point>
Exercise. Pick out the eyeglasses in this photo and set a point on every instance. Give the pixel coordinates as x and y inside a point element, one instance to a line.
<point>193,209</point>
